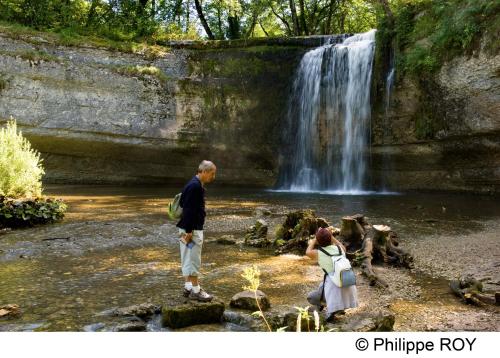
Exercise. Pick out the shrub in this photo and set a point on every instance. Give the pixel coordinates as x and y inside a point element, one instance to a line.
<point>20,166</point>
<point>29,212</point>
<point>428,33</point>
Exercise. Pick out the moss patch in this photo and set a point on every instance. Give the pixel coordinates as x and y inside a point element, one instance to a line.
<point>141,71</point>
<point>72,38</point>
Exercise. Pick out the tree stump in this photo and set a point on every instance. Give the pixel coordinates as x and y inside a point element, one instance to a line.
<point>366,243</point>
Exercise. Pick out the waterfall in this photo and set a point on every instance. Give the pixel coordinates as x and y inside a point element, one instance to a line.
<point>386,162</point>
<point>329,118</point>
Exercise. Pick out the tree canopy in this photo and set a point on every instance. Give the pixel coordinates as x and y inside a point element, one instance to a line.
<point>194,19</point>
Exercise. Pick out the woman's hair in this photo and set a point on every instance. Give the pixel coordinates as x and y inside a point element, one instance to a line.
<point>324,237</point>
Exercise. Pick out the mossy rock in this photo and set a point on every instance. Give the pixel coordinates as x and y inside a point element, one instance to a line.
<point>279,242</point>
<point>257,235</point>
<point>190,313</point>
<point>290,321</point>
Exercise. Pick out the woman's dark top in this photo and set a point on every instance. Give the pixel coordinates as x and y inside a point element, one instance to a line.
<point>193,206</point>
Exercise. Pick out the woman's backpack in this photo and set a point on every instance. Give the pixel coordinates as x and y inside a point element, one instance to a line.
<point>174,208</point>
<point>342,275</point>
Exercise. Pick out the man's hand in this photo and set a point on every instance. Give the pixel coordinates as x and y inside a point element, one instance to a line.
<point>187,237</point>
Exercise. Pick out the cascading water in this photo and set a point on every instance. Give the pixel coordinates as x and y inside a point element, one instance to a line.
<point>386,162</point>
<point>329,118</point>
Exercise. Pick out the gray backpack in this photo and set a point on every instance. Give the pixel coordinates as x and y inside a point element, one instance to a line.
<point>174,208</point>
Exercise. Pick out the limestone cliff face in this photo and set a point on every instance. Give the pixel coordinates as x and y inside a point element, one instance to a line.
<point>442,133</point>
<point>101,116</point>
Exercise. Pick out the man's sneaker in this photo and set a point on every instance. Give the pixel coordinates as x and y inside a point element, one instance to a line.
<point>186,292</point>
<point>201,296</point>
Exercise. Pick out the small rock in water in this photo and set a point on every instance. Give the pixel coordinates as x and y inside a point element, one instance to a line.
<point>10,310</point>
<point>131,327</point>
<point>262,212</point>
<point>247,300</point>
<point>226,240</point>
<point>257,235</point>
<point>94,327</point>
<point>380,321</point>
<point>142,310</point>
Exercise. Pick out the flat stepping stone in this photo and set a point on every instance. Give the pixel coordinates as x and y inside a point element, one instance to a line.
<point>179,314</point>
<point>246,300</point>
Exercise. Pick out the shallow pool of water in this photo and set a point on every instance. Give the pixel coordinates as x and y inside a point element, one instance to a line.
<point>115,248</point>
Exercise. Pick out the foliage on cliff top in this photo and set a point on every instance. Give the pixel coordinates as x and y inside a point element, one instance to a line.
<point>76,37</point>
<point>20,166</point>
<point>173,19</point>
<point>428,33</point>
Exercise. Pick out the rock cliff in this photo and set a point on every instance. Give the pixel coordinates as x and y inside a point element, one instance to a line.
<point>102,116</point>
<point>441,132</point>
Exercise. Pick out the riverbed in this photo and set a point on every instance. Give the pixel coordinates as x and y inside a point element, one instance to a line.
<point>115,248</point>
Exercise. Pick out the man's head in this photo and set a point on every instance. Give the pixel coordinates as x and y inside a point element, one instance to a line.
<point>206,171</point>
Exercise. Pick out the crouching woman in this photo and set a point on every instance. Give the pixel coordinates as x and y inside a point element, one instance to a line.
<point>321,249</point>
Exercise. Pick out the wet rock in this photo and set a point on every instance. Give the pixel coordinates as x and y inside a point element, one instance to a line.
<point>256,235</point>
<point>231,327</point>
<point>142,310</point>
<point>94,327</point>
<point>28,327</point>
<point>131,327</point>
<point>226,240</point>
<point>264,242</point>
<point>10,311</point>
<point>239,319</point>
<point>255,323</point>
<point>259,212</point>
<point>247,300</point>
<point>189,313</point>
<point>379,321</point>
<point>306,325</point>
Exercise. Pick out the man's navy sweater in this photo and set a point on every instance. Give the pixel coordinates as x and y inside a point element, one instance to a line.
<point>193,206</point>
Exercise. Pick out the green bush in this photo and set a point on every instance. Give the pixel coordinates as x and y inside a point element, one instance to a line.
<point>428,33</point>
<point>20,166</point>
<point>30,212</point>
